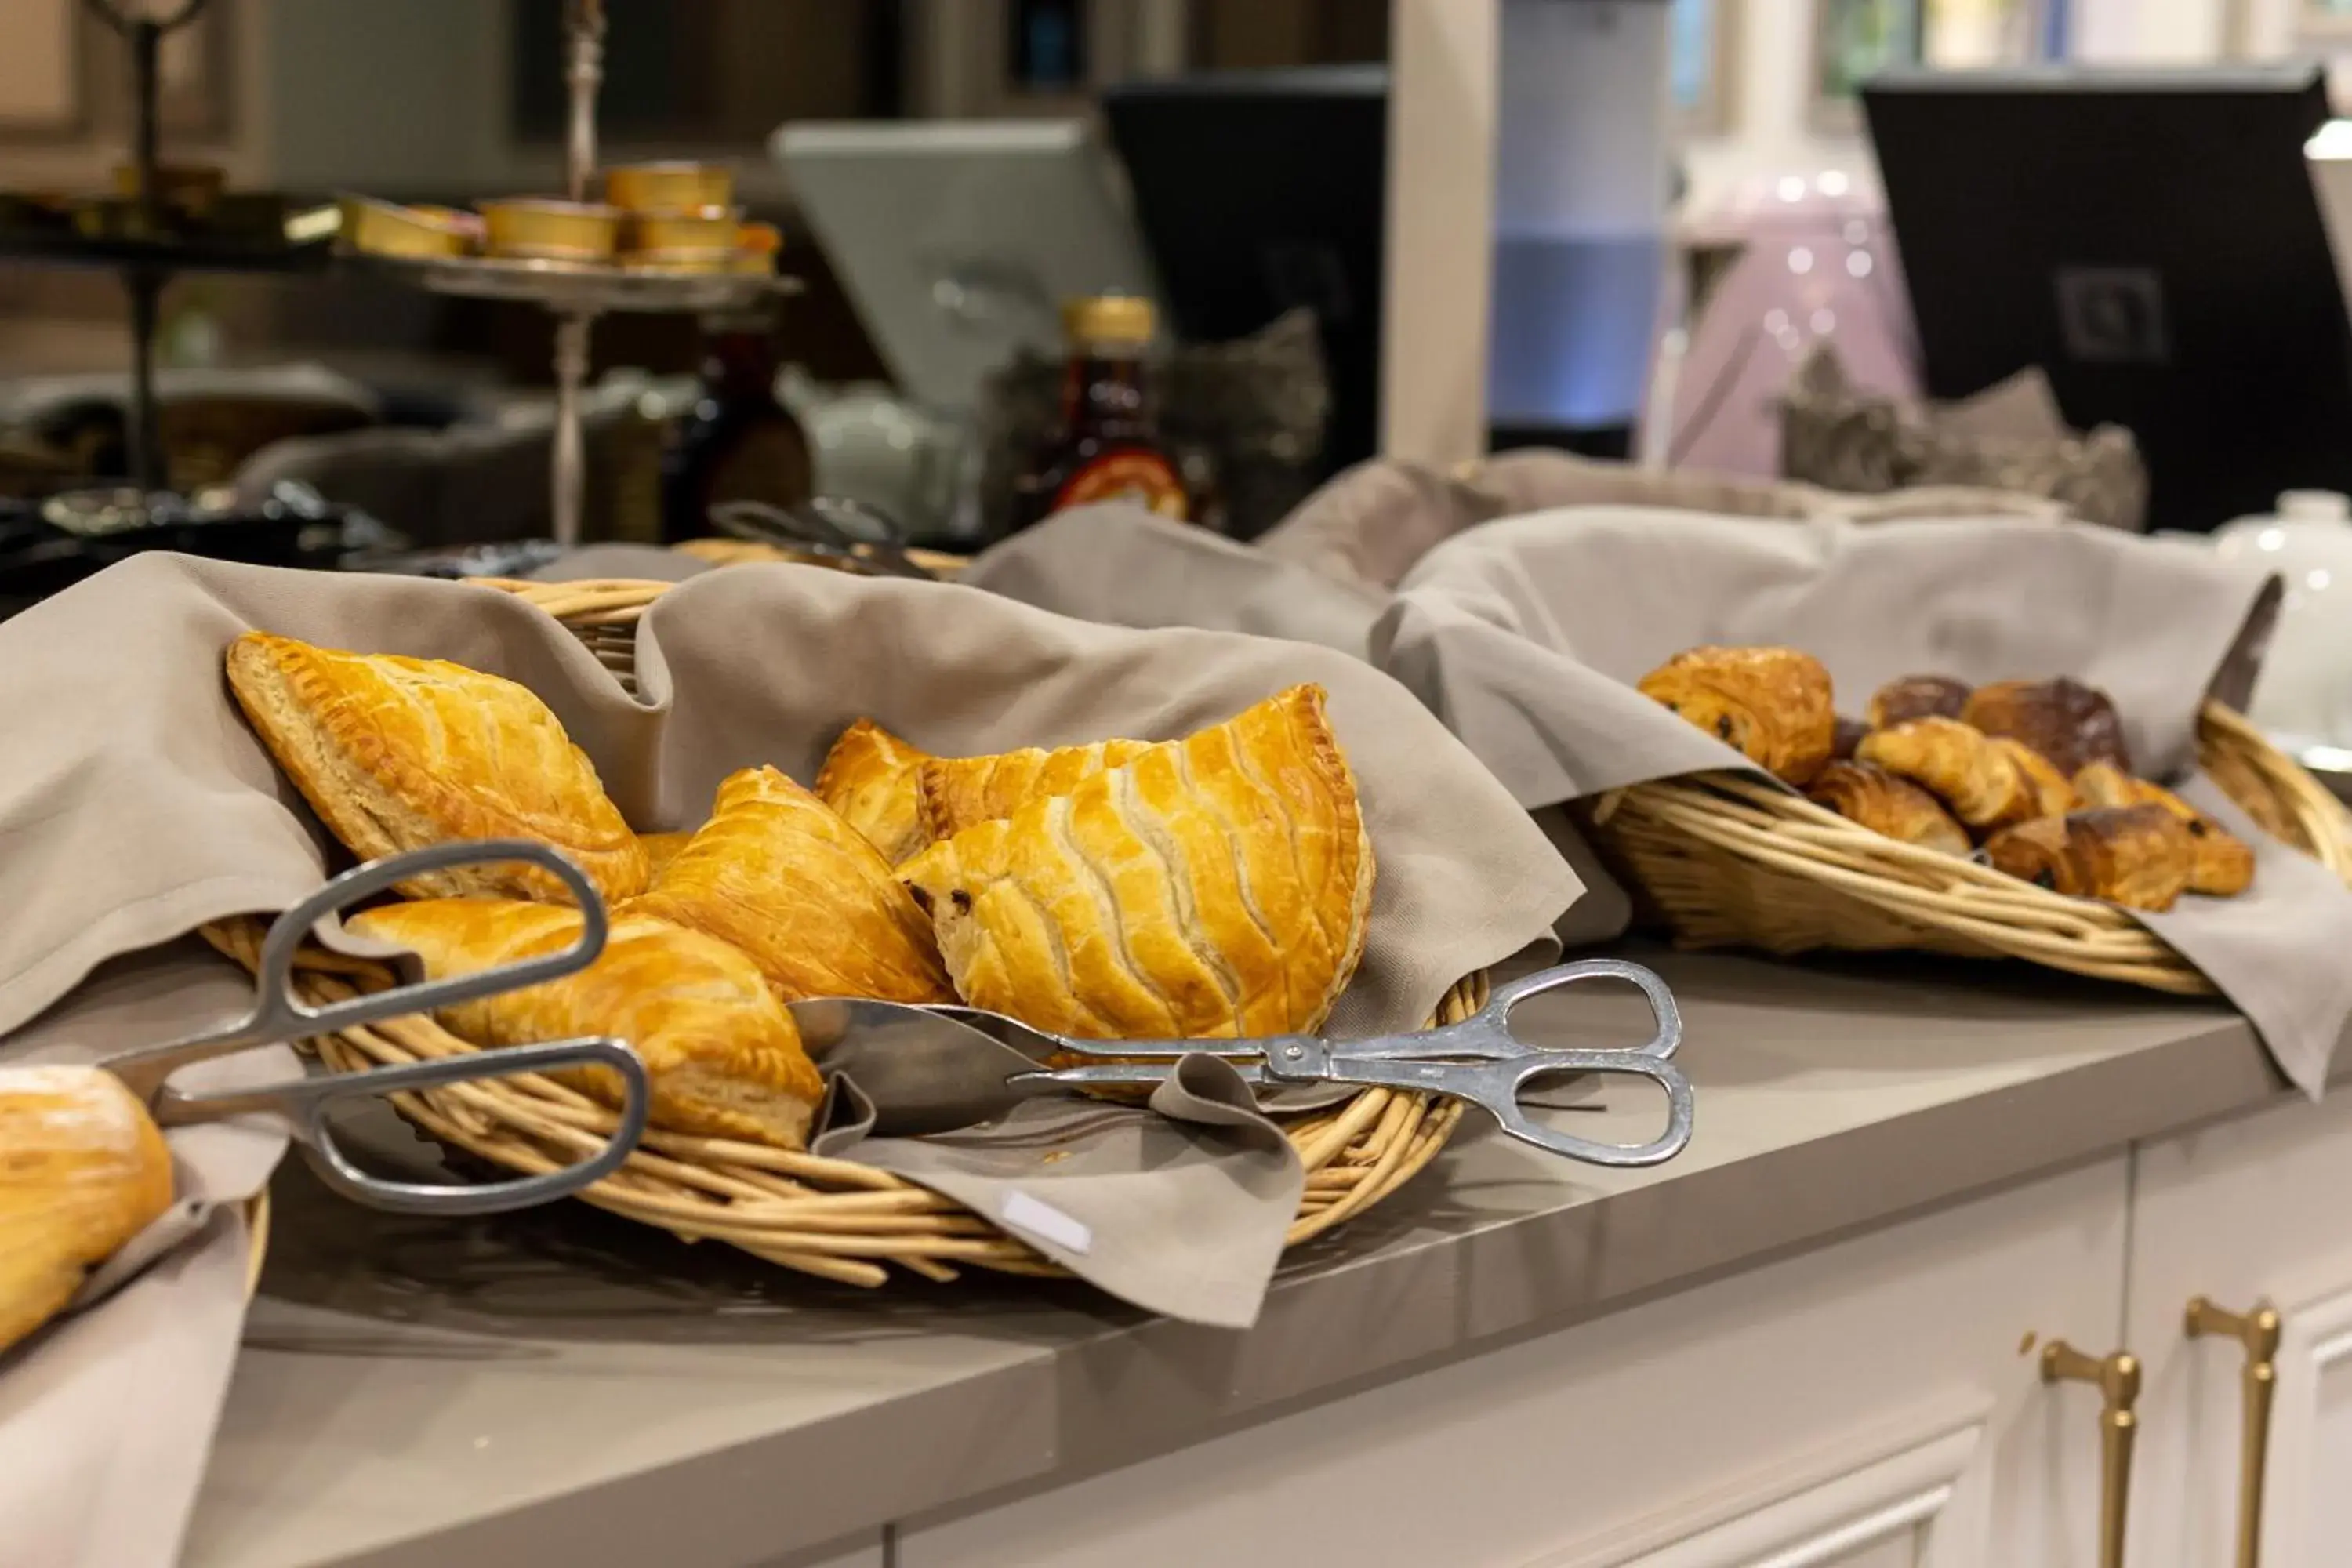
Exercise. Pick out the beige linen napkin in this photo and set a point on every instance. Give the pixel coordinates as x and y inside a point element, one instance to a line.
<point>1126,567</point>
<point>1525,637</point>
<point>1372,524</point>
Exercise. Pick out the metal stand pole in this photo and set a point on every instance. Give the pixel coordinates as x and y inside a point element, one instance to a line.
<point>566,474</point>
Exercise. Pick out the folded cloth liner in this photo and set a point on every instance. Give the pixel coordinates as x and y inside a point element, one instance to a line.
<point>1527,635</point>
<point>1124,565</point>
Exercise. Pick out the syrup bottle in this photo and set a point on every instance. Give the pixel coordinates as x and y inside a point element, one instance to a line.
<point>1109,446</point>
<point>739,443</point>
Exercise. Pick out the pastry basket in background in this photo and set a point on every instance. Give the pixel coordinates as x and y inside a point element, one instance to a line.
<point>1728,861</point>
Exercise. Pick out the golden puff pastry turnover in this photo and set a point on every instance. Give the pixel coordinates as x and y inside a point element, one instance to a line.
<point>1214,886</point>
<point>1868,795</point>
<point>661,848</point>
<point>82,1171</point>
<point>2224,863</point>
<point>2140,856</point>
<point>802,892</point>
<point>1982,783</point>
<point>873,781</point>
<point>724,1056</point>
<point>395,753</point>
<point>1770,704</point>
<point>959,792</point>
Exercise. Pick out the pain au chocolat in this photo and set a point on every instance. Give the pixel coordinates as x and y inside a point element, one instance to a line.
<point>2140,856</point>
<point>396,754</point>
<point>1773,705</point>
<point>1211,887</point>
<point>724,1055</point>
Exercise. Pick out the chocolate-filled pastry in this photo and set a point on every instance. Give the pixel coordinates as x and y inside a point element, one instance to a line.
<point>1845,738</point>
<point>2224,863</point>
<point>1913,697</point>
<point>2136,856</point>
<point>1770,704</point>
<point>1985,786</point>
<point>1867,794</point>
<point>2054,795</point>
<point>2072,724</point>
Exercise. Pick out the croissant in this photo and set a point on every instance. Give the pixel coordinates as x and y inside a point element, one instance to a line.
<point>959,792</point>
<point>1770,704</point>
<point>2136,856</point>
<point>2224,863</point>
<point>803,893</point>
<point>1984,785</point>
<point>82,1171</point>
<point>395,753</point>
<point>724,1055</point>
<point>1213,887</point>
<point>872,779</point>
<point>2053,794</point>
<point>1916,697</point>
<point>1867,794</point>
<point>2072,724</point>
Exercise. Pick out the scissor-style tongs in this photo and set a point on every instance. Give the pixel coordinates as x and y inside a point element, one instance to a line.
<point>1478,1059</point>
<point>851,534</point>
<point>280,1016</point>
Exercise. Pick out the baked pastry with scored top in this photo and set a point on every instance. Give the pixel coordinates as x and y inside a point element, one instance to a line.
<point>1913,697</point>
<point>873,781</point>
<point>2224,863</point>
<point>396,754</point>
<point>1215,886</point>
<point>2136,856</point>
<point>724,1056</point>
<point>1868,795</point>
<point>1773,705</point>
<point>1982,783</point>
<point>2072,724</point>
<point>803,893</point>
<point>958,792</point>
<point>83,1170</point>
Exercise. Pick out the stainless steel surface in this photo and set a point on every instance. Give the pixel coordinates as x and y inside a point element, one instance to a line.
<point>280,1016</point>
<point>1478,1059</point>
<point>559,1385</point>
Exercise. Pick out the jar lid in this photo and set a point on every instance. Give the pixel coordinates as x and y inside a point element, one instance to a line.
<point>2314,506</point>
<point>1109,318</point>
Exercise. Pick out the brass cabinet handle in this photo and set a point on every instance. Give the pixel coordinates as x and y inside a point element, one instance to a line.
<point>2116,1377</point>
<point>2258,1332</point>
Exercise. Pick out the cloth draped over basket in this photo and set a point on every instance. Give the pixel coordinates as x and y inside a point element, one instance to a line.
<point>1526,637</point>
<point>139,807</point>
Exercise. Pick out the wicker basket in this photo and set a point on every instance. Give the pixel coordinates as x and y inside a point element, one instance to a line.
<point>834,1218</point>
<point>1728,861</point>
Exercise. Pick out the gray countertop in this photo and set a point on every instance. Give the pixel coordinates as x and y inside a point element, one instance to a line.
<point>565,1387</point>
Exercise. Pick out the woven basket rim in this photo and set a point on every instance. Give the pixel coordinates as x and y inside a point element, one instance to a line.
<point>1773,829</point>
<point>834,1218</point>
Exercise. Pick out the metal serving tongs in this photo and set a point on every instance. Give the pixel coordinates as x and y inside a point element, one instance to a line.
<point>835,528</point>
<point>1478,1059</point>
<point>280,1016</point>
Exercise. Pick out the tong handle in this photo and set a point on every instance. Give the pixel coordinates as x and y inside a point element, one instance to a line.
<point>280,1014</point>
<point>302,1106</point>
<point>1480,1059</point>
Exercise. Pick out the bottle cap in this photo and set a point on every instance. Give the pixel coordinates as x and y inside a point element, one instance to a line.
<point>1109,318</point>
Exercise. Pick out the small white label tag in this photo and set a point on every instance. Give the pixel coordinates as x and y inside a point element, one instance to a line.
<point>1046,1223</point>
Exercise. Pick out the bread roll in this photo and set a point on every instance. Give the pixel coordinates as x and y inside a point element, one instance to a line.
<point>1916,697</point>
<point>2072,724</point>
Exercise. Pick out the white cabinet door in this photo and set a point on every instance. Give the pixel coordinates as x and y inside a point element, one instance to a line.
<point>2258,1207</point>
<point>1863,1405</point>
